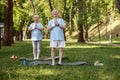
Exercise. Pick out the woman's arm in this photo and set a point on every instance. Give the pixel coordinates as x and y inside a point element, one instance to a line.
<point>29,29</point>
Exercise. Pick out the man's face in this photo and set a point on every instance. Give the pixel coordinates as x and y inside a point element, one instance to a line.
<point>36,19</point>
<point>55,13</point>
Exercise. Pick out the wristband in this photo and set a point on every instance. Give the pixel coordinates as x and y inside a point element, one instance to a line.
<point>57,24</point>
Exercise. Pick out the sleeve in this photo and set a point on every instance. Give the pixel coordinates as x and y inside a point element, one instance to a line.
<point>30,26</point>
<point>63,22</point>
<point>49,24</point>
<point>40,25</point>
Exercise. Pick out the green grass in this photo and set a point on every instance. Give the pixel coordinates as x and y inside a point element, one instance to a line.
<point>15,70</point>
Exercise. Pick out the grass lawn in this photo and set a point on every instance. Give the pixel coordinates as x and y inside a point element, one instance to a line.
<point>15,70</point>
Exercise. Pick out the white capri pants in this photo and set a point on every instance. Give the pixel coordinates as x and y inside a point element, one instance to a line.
<point>36,49</point>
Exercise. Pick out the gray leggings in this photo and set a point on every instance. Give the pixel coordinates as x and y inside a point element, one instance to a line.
<point>36,49</point>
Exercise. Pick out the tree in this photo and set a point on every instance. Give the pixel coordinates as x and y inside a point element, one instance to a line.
<point>1,19</point>
<point>8,8</point>
<point>11,23</point>
<point>117,2</point>
<point>80,6</point>
<point>79,15</point>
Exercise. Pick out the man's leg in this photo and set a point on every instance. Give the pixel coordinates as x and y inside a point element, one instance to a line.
<point>61,44</point>
<point>53,49</point>
<point>38,49</point>
<point>53,55</point>
<point>34,49</point>
<point>60,55</point>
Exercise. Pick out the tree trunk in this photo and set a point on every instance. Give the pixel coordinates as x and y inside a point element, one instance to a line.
<point>80,20</point>
<point>25,33</point>
<point>21,36</point>
<point>7,22</point>
<point>86,32</point>
<point>0,38</point>
<point>64,15</point>
<point>110,36</point>
<point>1,20</point>
<point>12,35</point>
<point>99,36</point>
<point>64,9</point>
<point>11,23</point>
<point>17,36</point>
<point>110,32</point>
<point>106,31</point>
<point>0,29</point>
<point>81,33</point>
<point>117,2</point>
<point>70,21</point>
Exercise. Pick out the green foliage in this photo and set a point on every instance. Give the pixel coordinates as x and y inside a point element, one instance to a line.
<point>94,11</point>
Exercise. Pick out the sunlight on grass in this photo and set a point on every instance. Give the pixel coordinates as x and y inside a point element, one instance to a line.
<point>75,46</point>
<point>34,72</point>
<point>116,57</point>
<point>106,77</point>
<point>102,42</point>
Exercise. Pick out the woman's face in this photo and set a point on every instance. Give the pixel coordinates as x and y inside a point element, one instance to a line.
<point>36,19</point>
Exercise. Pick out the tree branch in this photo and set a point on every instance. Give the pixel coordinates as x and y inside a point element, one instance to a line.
<point>33,6</point>
<point>50,4</point>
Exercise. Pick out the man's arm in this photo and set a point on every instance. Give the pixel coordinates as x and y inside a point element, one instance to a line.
<point>62,26</point>
<point>51,27</point>
<point>41,29</point>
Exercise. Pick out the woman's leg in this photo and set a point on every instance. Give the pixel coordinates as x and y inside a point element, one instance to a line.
<point>38,49</point>
<point>34,49</point>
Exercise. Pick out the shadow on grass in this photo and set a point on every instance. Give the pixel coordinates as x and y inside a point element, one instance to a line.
<point>4,76</point>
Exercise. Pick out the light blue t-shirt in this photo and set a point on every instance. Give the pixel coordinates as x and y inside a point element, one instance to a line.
<point>35,33</point>
<point>56,33</point>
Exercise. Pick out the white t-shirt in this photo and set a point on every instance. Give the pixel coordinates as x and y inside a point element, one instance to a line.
<point>56,33</point>
<point>35,33</point>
